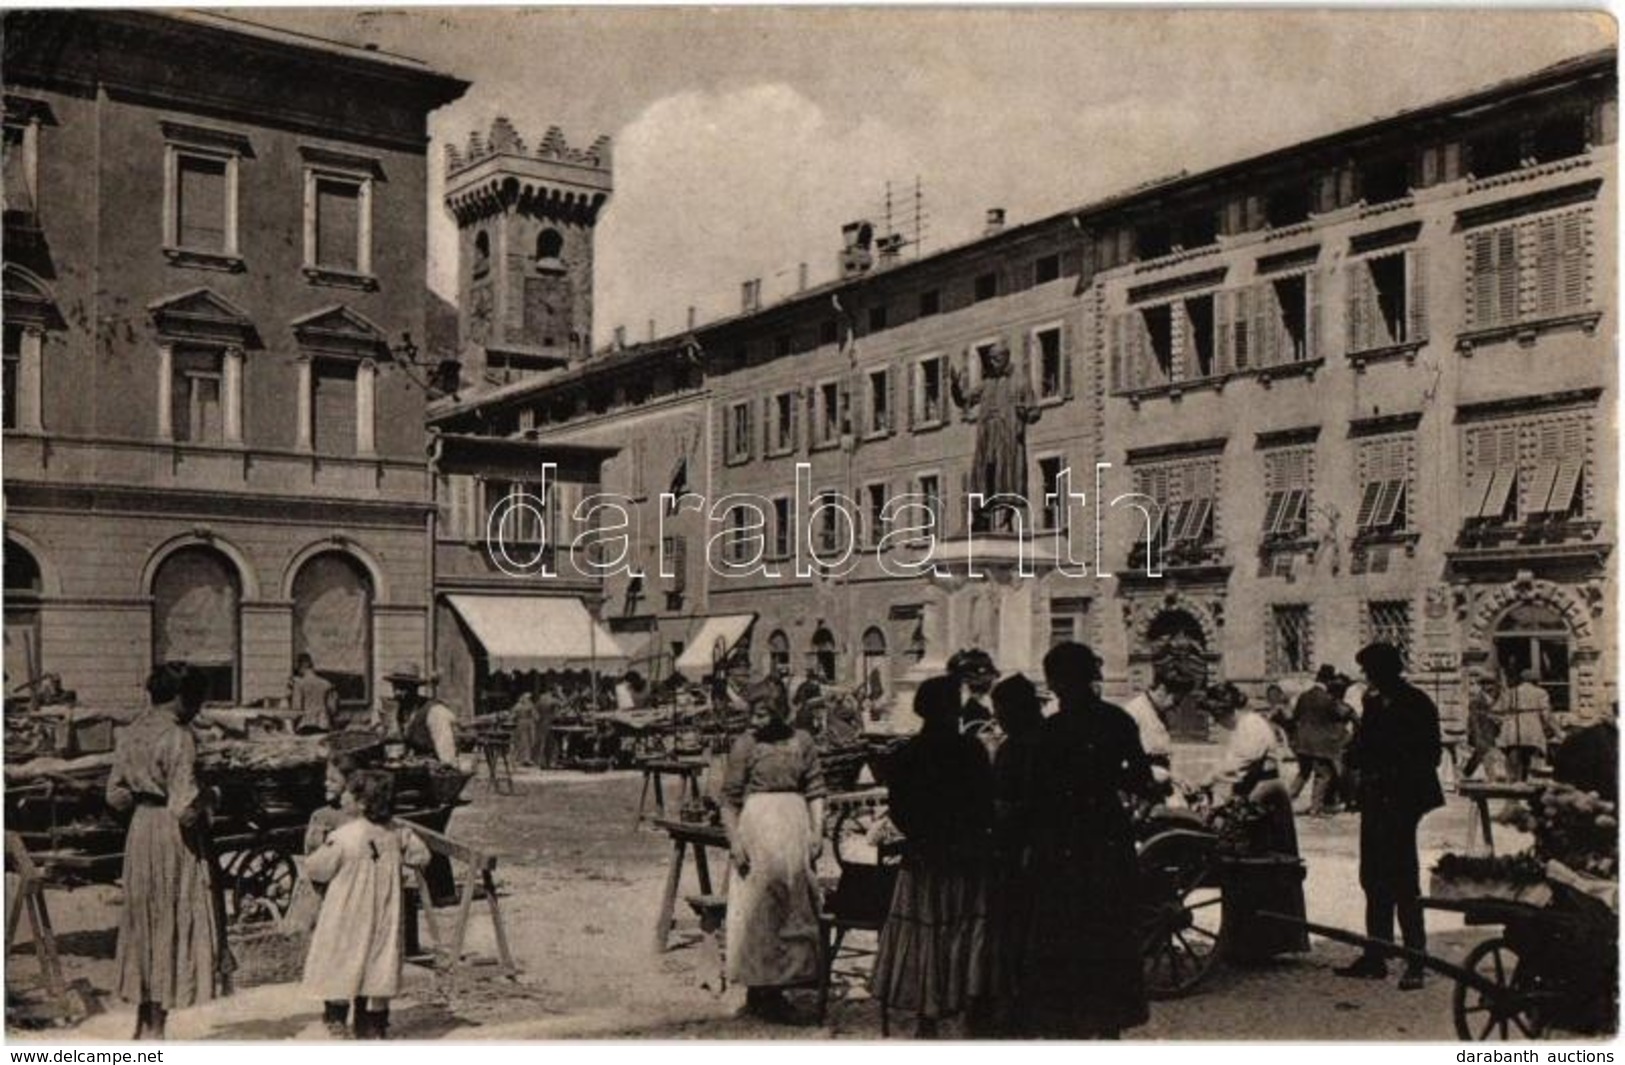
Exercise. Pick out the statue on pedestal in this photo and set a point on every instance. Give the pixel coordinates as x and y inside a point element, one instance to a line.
<point>1005,408</point>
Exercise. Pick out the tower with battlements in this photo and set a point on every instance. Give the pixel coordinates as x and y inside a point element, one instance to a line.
<point>525,220</point>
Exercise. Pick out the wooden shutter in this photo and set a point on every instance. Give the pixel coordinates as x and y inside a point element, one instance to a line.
<point>1223,360</point>
<point>913,372</point>
<point>1358,276</point>
<point>1416,261</point>
<point>1574,240</point>
<point>1547,259</point>
<point>1263,332</point>
<point>859,405</point>
<point>750,428</point>
<point>1311,295</point>
<point>770,418</point>
<point>891,399</point>
<point>1242,326</point>
<point>1481,279</point>
<point>1065,341</point>
<point>1114,341</point>
<point>795,422</point>
<point>1507,267</point>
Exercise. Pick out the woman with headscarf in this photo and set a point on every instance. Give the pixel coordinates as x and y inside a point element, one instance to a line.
<point>1081,971</point>
<point>1249,772</point>
<point>773,811</point>
<point>170,945</point>
<point>1020,714</point>
<point>934,958</point>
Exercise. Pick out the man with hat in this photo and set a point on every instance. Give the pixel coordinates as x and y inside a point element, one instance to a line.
<point>1397,751</point>
<point>428,726</point>
<point>976,674</point>
<point>1320,732</point>
<point>1525,720</point>
<point>312,695</point>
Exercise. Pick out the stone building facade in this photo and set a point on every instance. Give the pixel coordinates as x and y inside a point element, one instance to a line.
<point>212,450</point>
<point>1366,381</point>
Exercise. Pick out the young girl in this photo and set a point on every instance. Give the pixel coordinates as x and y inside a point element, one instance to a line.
<point>355,952</point>
<point>306,903</point>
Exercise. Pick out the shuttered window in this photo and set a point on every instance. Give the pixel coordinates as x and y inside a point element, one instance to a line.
<point>1286,486</point>
<point>1385,476</point>
<point>200,202</point>
<point>1184,493</point>
<point>338,223</point>
<point>1387,300</point>
<point>456,500</point>
<point>1539,268</point>
<point>1051,363</point>
<point>783,424</point>
<point>738,429</point>
<point>1532,469</point>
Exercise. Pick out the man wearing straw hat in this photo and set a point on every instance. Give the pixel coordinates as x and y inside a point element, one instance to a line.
<point>428,726</point>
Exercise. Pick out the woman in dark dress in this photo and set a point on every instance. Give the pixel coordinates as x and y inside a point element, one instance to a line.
<point>1020,714</point>
<point>1081,975</point>
<point>934,948</point>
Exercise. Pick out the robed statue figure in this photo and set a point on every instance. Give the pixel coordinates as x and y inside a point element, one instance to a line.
<point>1005,408</point>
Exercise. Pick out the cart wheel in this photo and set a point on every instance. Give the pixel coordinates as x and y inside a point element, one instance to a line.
<point>261,885</point>
<point>1512,1012</point>
<point>1181,915</point>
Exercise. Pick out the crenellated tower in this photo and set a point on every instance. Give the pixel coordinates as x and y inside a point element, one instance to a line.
<point>525,224</point>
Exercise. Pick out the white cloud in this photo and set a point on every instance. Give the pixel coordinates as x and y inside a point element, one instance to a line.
<point>713,188</point>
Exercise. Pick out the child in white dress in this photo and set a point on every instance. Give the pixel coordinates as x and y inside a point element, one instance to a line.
<point>356,950</point>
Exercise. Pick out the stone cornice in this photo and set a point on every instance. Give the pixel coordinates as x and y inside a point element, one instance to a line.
<point>1577,399</point>
<point>110,500</point>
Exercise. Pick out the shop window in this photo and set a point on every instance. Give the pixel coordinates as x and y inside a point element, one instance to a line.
<point>196,599</point>
<point>332,622</point>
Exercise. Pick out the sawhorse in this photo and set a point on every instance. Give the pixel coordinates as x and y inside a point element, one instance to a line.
<point>479,869</point>
<point>28,896</point>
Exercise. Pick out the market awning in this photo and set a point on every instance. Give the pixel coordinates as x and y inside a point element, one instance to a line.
<point>715,641</point>
<point>538,632</point>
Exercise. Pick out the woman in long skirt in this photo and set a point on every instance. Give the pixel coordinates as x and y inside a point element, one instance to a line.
<point>935,947</point>
<point>773,811</point>
<point>1081,969</point>
<point>169,938</point>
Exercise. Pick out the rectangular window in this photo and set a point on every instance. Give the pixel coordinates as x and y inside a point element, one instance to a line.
<point>829,413</point>
<point>522,512</point>
<point>781,527</point>
<point>1385,474</point>
<point>339,203</point>
<point>739,432</point>
<point>1291,307</point>
<point>195,392</point>
<point>1286,484</point>
<point>1288,649</point>
<point>1068,619</point>
<point>13,361</point>
<point>1185,493</point>
<point>875,511</point>
<point>1050,363</point>
<point>456,502</point>
<point>1052,511</point>
<point>828,529</point>
<point>1387,300</point>
<point>1531,470</point>
<point>674,549</point>
<point>1046,268</point>
<point>1389,622</point>
<point>930,303</point>
<point>784,423</point>
<point>1198,335</point>
<point>17,177</point>
<point>879,402</point>
<point>931,391</point>
<point>200,203</point>
<point>928,487</point>
<point>736,546</point>
<point>987,287</point>
<point>877,318</point>
<point>1158,323</point>
<point>1559,137</point>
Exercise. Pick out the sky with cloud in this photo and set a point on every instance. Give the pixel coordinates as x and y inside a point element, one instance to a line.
<point>746,137</point>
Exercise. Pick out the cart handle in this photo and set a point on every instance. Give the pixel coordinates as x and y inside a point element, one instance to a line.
<point>1416,957</point>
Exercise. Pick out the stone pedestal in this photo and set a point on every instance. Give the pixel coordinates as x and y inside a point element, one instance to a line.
<point>986,593</point>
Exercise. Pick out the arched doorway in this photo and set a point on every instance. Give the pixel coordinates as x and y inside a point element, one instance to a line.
<point>196,600</point>
<point>824,656</point>
<point>1534,637</point>
<point>778,653</point>
<point>874,662</point>
<point>332,622</point>
<point>24,586</point>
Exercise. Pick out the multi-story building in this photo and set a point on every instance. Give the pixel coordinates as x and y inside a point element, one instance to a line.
<point>1366,380</point>
<point>215,244</point>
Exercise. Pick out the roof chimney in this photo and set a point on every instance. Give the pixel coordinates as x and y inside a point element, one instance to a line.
<point>995,221</point>
<point>801,277</point>
<point>856,256</point>
<point>750,296</point>
<point>692,317</point>
<point>651,330</point>
<point>891,248</point>
<point>620,337</point>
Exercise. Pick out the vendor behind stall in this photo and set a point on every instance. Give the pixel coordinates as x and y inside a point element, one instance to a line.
<point>312,696</point>
<point>426,725</point>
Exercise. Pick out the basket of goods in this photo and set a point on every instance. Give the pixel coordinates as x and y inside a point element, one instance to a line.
<point>266,952</point>
<point>1578,828</point>
<point>1509,877</point>
<point>271,776</point>
<point>1242,828</point>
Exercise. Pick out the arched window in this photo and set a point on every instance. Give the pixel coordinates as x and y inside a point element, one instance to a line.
<point>824,654</point>
<point>778,653</point>
<point>874,661</point>
<point>549,250</point>
<point>332,621</point>
<point>196,597</point>
<point>482,253</point>
<point>1533,638</point>
<point>23,660</point>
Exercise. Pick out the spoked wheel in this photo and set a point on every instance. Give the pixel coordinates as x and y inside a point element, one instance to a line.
<point>1181,913</point>
<point>1513,1011</point>
<point>261,884</point>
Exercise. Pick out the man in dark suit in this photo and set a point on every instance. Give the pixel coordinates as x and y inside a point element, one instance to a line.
<point>1397,753</point>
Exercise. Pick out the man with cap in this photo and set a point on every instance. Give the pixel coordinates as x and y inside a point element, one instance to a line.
<point>976,674</point>
<point>1320,732</point>
<point>1397,751</point>
<point>428,726</point>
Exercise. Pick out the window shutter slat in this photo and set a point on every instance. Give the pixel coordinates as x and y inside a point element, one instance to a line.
<point>1506,275</point>
<point>1115,343</point>
<point>1258,299</point>
<point>913,389</point>
<point>1547,266</point>
<point>891,400</point>
<point>1416,260</point>
<point>1223,357</point>
<point>1575,239</point>
<point>1066,344</point>
<point>1478,487</point>
<point>1311,288</point>
<point>1356,306</point>
<point>1242,327</point>
<point>1563,490</point>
